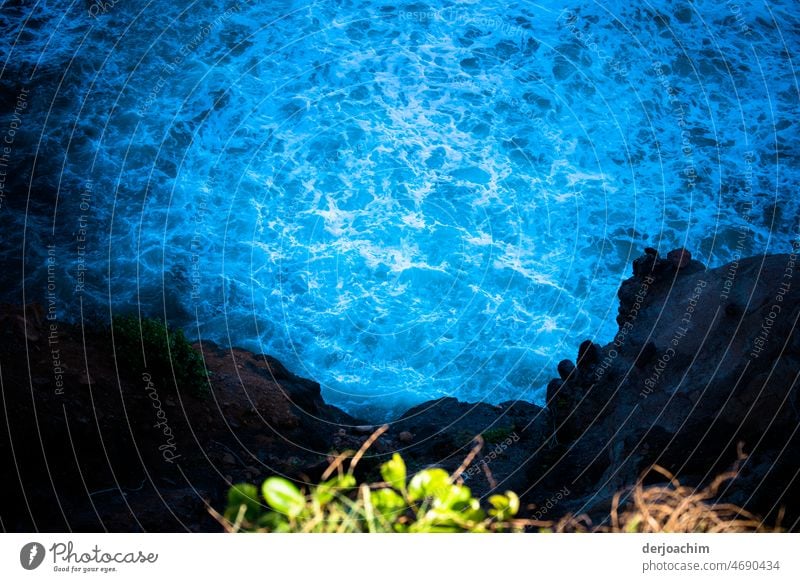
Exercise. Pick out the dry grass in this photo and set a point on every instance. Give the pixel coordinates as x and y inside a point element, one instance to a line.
<point>672,508</point>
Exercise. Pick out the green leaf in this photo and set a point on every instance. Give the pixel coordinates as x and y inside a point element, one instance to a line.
<point>283,496</point>
<point>428,483</point>
<point>475,513</point>
<point>388,501</point>
<point>504,506</point>
<point>326,491</point>
<point>445,520</point>
<point>247,495</point>
<point>274,522</point>
<point>452,496</point>
<point>394,472</point>
<point>513,502</point>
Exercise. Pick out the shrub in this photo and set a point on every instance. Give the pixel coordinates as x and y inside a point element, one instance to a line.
<point>166,352</point>
<point>431,501</point>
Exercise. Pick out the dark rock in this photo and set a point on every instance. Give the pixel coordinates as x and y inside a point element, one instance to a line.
<point>565,369</point>
<point>680,258</point>
<point>646,355</point>
<point>709,385</point>
<point>644,265</point>
<point>103,439</point>
<point>733,310</point>
<point>553,388</point>
<point>588,355</point>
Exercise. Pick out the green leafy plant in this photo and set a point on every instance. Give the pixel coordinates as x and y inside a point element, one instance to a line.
<point>435,501</point>
<point>166,351</point>
<point>432,500</point>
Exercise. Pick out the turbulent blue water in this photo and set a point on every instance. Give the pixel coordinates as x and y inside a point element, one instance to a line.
<point>401,201</point>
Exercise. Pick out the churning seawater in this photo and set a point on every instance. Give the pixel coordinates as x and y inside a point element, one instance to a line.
<point>401,201</point>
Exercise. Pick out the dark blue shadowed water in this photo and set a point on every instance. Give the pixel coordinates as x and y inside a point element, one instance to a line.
<point>401,201</point>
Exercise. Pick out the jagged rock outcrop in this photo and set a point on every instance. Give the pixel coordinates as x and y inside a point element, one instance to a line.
<point>703,360</point>
<point>99,447</point>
